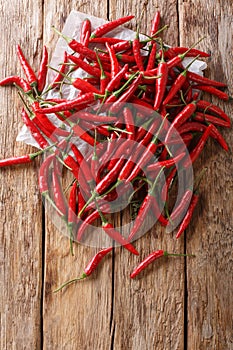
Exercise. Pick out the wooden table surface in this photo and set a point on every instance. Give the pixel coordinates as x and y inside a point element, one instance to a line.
<point>178,304</point>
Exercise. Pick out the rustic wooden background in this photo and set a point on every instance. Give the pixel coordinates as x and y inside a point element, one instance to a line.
<point>180,304</point>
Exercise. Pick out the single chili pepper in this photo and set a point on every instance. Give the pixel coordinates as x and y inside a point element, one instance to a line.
<point>72,212</point>
<point>44,174</point>
<point>150,258</point>
<point>81,200</point>
<point>114,108</point>
<point>213,91</point>
<point>93,117</point>
<point>43,70</point>
<point>109,40</point>
<point>92,265</point>
<point>145,208</point>
<point>78,174</point>
<point>70,104</point>
<point>84,86</point>
<point>155,24</point>
<point>166,186</point>
<point>30,75</point>
<point>45,123</point>
<point>194,154</point>
<point>122,46</point>
<point>95,71</point>
<point>116,81</point>
<point>178,83</point>
<point>152,57</point>
<point>203,117</point>
<point>125,58</point>
<point>124,148</point>
<point>129,122</point>
<point>210,107</point>
<point>182,207</point>
<point>203,80</point>
<point>27,158</point>
<point>158,214</point>
<point>85,32</point>
<point>113,60</point>
<point>22,83</point>
<point>78,131</point>
<point>161,83</point>
<point>116,236</point>
<point>193,52</point>
<point>180,119</point>
<point>58,195</point>
<point>110,177</point>
<point>137,53</point>
<point>104,79</point>
<point>166,163</point>
<point>107,27</point>
<point>188,216</point>
<point>36,134</point>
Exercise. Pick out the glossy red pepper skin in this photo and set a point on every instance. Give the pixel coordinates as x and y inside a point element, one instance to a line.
<point>85,86</point>
<point>85,32</point>
<point>147,261</point>
<point>29,72</point>
<point>203,80</point>
<point>208,118</point>
<point>155,24</point>
<point>44,174</point>
<point>107,27</point>
<point>42,74</point>
<point>16,160</point>
<point>94,262</point>
<point>210,107</point>
<point>116,236</point>
<point>188,216</point>
<point>58,195</point>
<point>160,84</point>
<point>72,204</point>
<point>115,68</point>
<point>22,83</point>
<point>213,91</point>
<point>137,54</point>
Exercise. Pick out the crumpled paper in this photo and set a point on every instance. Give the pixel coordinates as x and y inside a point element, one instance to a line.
<point>72,29</point>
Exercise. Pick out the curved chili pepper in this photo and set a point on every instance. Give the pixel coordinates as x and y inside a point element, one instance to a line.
<point>203,80</point>
<point>27,158</point>
<point>210,107</point>
<point>91,266</point>
<point>29,72</point>
<point>60,75</point>
<point>84,86</point>
<point>113,60</point>
<point>188,216</point>
<point>107,27</point>
<point>22,83</point>
<point>204,117</point>
<point>213,91</point>
<point>58,195</point>
<point>160,84</point>
<point>155,24</point>
<point>152,58</point>
<point>137,54</point>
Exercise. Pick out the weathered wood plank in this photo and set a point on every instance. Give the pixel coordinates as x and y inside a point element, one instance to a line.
<point>20,218</point>
<point>209,275</point>
<point>79,317</point>
<point>148,312</point>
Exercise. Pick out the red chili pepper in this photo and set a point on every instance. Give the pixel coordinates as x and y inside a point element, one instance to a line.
<point>178,83</point>
<point>116,236</point>
<point>30,75</point>
<point>182,207</point>
<point>27,158</point>
<point>166,186</point>
<point>109,40</point>
<point>152,58</point>
<point>160,84</point>
<point>129,122</point>
<point>107,27</point>
<point>155,24</point>
<point>113,60</point>
<point>193,52</point>
<point>44,174</point>
<point>23,84</point>
<point>203,117</point>
<point>203,80</point>
<point>85,32</point>
<point>166,163</point>
<point>210,107</point>
<point>116,81</point>
<point>213,91</point>
<point>85,66</point>
<point>72,204</point>
<point>137,54</point>
<point>82,163</point>
<point>188,216</point>
<point>91,266</point>
<point>78,131</point>
<point>194,154</point>
<point>149,259</point>
<point>70,104</point>
<point>43,70</point>
<point>36,134</point>
<point>58,195</point>
<point>180,119</point>
<point>85,86</point>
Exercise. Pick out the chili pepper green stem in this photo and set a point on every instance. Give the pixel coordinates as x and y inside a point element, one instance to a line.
<point>70,282</point>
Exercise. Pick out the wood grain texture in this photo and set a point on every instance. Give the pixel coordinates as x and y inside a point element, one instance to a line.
<point>177,303</point>
<point>20,205</point>
<point>209,276</point>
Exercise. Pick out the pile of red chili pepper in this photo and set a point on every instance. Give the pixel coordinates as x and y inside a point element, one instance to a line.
<point>140,112</point>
